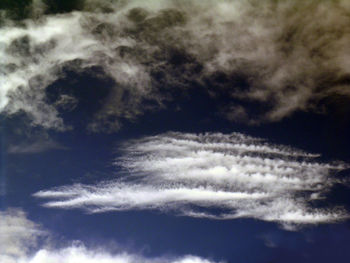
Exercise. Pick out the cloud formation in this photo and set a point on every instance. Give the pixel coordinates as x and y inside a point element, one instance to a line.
<point>211,175</point>
<point>18,245</point>
<point>35,147</point>
<point>18,235</point>
<point>81,254</point>
<point>284,56</point>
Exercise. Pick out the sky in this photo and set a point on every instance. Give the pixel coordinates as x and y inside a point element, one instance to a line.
<point>174,131</point>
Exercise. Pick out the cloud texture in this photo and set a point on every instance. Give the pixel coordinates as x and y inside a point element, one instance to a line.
<point>212,175</point>
<point>77,254</point>
<point>35,147</point>
<point>283,56</point>
<point>18,245</point>
<point>18,235</point>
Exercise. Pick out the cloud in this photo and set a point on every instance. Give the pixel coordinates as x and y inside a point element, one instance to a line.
<point>22,138</point>
<point>66,102</point>
<point>18,234</point>
<point>19,244</point>
<point>211,175</point>
<point>81,254</point>
<point>35,147</point>
<point>283,56</point>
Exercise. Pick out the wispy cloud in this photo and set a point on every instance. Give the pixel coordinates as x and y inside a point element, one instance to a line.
<point>212,175</point>
<point>286,55</point>
<point>18,245</point>
<point>35,147</point>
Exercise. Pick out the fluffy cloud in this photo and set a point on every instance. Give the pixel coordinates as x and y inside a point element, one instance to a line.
<point>18,245</point>
<point>18,235</point>
<point>211,175</point>
<point>81,254</point>
<point>285,55</point>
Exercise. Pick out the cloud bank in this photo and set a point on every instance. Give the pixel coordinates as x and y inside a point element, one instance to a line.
<point>211,175</point>
<point>81,254</point>
<point>282,56</point>
<point>19,245</point>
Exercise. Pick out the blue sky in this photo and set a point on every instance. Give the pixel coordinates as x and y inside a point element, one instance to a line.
<point>174,131</point>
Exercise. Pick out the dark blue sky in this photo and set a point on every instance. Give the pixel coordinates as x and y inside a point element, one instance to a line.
<point>88,158</point>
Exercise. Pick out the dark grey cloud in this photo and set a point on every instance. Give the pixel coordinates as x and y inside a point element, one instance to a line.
<point>20,137</point>
<point>285,56</point>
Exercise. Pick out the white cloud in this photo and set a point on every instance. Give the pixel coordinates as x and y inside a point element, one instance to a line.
<point>211,175</point>
<point>18,235</point>
<point>288,55</point>
<point>81,254</point>
<point>19,245</point>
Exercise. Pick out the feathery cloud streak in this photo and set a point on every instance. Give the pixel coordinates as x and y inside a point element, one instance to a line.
<point>286,55</point>
<point>19,244</point>
<point>212,175</point>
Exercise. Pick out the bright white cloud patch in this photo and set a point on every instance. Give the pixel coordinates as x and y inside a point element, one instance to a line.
<point>81,254</point>
<point>18,236</point>
<point>211,175</point>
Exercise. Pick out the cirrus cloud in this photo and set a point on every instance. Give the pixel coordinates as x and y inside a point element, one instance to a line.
<point>211,175</point>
